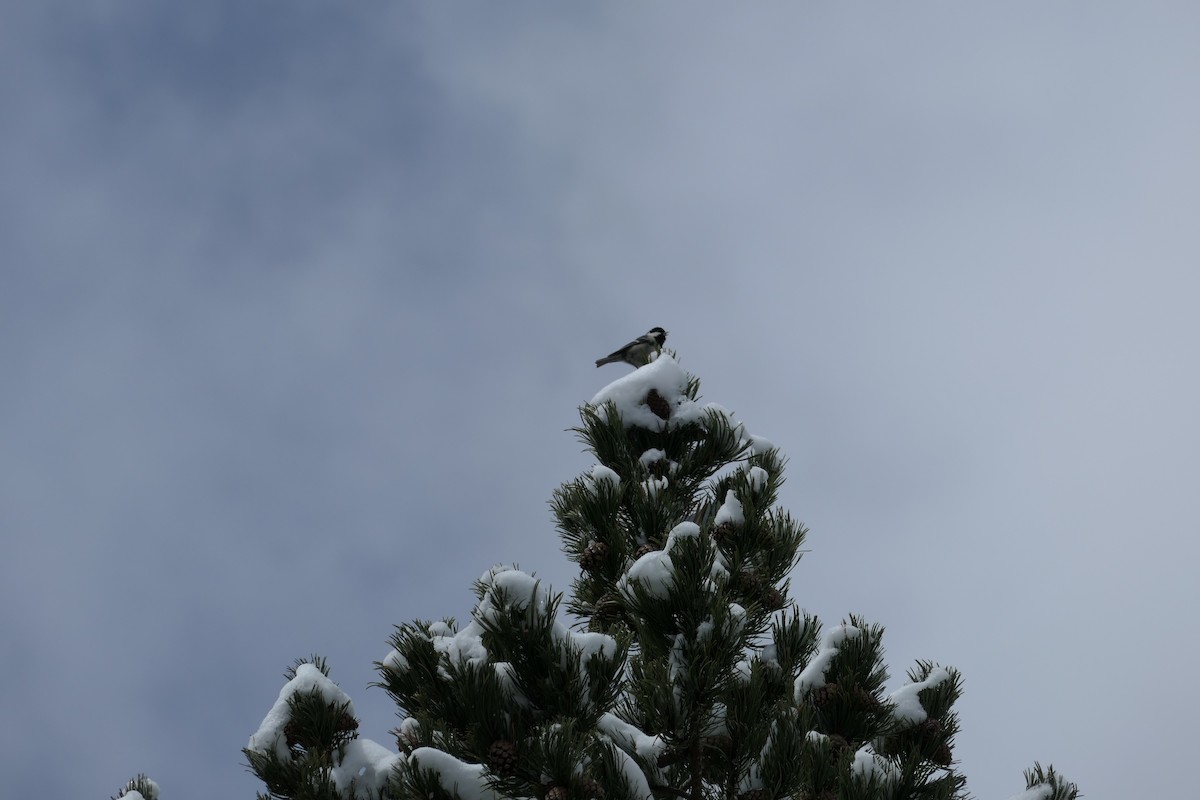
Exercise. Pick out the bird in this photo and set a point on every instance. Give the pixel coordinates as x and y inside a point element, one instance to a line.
<point>637,353</point>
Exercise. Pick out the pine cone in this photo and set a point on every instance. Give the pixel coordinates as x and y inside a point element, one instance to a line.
<point>593,556</point>
<point>502,757</point>
<point>774,599</point>
<point>723,534</point>
<point>659,468</point>
<point>556,793</point>
<point>865,701</point>
<point>838,742</point>
<point>592,789</point>
<point>824,695</point>
<point>645,549</point>
<point>658,404</point>
<point>749,584</point>
<point>943,757</point>
<point>609,609</point>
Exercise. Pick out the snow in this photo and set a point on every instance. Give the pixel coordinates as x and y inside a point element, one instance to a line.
<point>151,789</point>
<point>588,645</point>
<point>396,661</point>
<point>664,375</point>
<point>769,654</point>
<point>654,572</point>
<point>591,644</point>
<point>654,455</point>
<point>467,780</point>
<point>736,426</point>
<point>630,738</point>
<point>813,676</point>
<point>440,628</point>
<point>634,777</point>
<point>466,646</point>
<point>1042,791</point>
<point>409,727</point>
<point>758,478</point>
<point>684,530</point>
<point>730,511</point>
<point>270,736</point>
<point>869,765</point>
<point>520,589</point>
<point>652,486</point>
<point>650,456</point>
<point>508,679</point>
<point>753,778</point>
<point>602,474</point>
<point>757,445</point>
<point>628,394</point>
<point>737,619</point>
<point>521,592</point>
<point>907,698</point>
<point>365,766</point>
<point>461,648</point>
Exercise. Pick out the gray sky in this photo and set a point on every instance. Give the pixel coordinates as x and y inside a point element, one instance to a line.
<point>299,298</point>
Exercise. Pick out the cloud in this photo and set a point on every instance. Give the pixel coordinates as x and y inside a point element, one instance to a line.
<point>297,302</point>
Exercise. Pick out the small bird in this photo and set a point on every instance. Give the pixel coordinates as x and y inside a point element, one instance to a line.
<point>637,353</point>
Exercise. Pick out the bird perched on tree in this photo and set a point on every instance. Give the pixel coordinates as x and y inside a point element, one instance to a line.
<point>637,353</point>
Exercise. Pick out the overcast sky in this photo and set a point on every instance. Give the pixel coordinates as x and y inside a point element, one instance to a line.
<point>299,298</point>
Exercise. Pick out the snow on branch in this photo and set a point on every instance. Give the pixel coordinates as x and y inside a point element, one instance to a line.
<point>907,699</point>
<point>813,676</point>
<point>270,737</point>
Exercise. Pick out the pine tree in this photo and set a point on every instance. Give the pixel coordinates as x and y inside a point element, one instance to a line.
<point>138,788</point>
<point>677,668</point>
